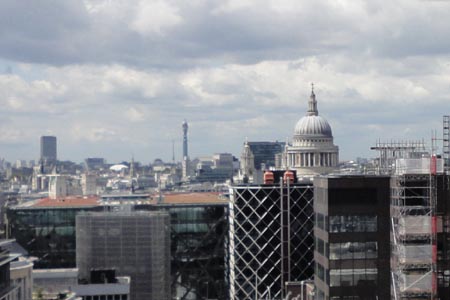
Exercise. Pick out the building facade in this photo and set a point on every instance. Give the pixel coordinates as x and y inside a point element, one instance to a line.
<point>352,233</point>
<point>9,290</point>
<point>135,244</point>
<point>21,277</point>
<point>48,149</point>
<point>312,151</point>
<point>270,239</point>
<point>198,240</point>
<point>46,228</point>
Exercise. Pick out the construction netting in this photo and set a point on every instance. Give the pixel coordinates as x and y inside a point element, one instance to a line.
<point>414,225</point>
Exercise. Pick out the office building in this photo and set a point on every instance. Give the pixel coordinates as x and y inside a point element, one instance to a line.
<point>48,149</point>
<point>134,243</point>
<point>8,289</point>
<point>89,184</point>
<point>312,151</point>
<point>46,228</point>
<point>198,225</point>
<point>95,163</point>
<point>352,231</point>
<point>199,230</point>
<point>21,277</point>
<point>270,238</point>
<point>262,155</point>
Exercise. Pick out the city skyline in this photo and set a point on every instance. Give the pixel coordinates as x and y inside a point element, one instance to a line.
<point>116,79</point>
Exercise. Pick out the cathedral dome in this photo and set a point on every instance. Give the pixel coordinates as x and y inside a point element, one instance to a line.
<point>313,126</point>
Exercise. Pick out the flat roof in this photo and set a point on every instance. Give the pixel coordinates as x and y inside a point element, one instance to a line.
<point>192,198</point>
<point>67,202</point>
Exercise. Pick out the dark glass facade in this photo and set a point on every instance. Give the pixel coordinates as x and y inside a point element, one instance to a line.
<point>352,250</point>
<point>198,239</point>
<point>264,153</point>
<point>46,233</point>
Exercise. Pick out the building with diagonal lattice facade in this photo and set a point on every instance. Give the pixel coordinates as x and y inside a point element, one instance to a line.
<point>270,239</point>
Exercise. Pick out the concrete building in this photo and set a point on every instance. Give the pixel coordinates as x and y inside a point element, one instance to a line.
<point>48,149</point>
<point>57,186</point>
<point>352,232</point>
<point>270,238</point>
<point>89,184</point>
<point>22,278</point>
<point>312,151</point>
<point>135,244</point>
<point>8,289</point>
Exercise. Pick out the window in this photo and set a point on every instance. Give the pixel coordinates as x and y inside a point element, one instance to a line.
<point>353,250</point>
<point>320,271</point>
<point>320,246</point>
<point>358,223</point>
<point>320,295</point>
<point>352,277</point>
<point>320,221</point>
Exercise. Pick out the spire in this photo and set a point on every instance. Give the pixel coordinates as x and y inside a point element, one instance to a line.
<point>312,103</point>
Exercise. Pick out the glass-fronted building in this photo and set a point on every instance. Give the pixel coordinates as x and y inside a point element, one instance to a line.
<point>46,229</point>
<point>198,232</point>
<point>199,229</point>
<point>264,153</point>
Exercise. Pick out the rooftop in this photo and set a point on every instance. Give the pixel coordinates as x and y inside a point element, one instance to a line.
<point>66,202</point>
<point>192,198</point>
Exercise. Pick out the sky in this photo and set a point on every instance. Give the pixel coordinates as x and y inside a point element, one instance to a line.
<point>116,78</point>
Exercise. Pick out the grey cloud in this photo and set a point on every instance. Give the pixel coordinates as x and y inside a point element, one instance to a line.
<point>65,32</point>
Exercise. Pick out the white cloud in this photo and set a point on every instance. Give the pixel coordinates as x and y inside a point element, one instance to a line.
<point>154,17</point>
<point>134,115</point>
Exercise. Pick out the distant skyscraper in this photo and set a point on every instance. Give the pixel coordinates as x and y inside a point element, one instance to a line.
<point>48,148</point>
<point>185,139</point>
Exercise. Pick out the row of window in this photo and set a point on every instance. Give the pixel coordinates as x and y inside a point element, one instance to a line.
<point>353,277</point>
<point>353,250</point>
<point>106,297</point>
<point>348,223</point>
<point>346,277</point>
<point>348,250</point>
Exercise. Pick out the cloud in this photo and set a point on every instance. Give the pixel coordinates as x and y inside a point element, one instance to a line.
<point>154,17</point>
<point>107,76</point>
<point>134,115</point>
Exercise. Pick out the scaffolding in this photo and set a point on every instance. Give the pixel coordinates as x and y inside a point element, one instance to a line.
<point>446,142</point>
<point>389,152</point>
<point>413,246</point>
